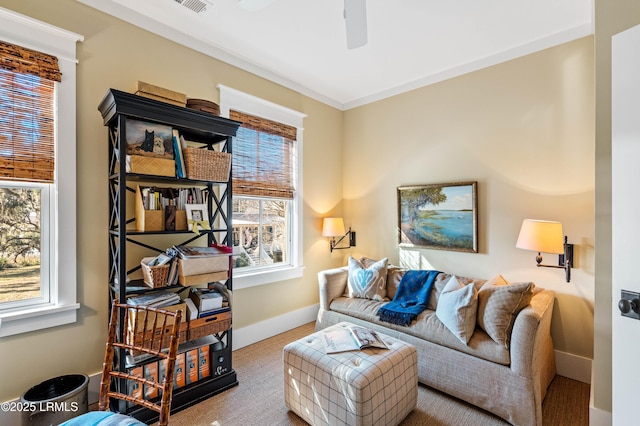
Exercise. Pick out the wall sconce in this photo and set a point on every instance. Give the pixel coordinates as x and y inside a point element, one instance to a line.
<point>546,236</point>
<point>334,227</point>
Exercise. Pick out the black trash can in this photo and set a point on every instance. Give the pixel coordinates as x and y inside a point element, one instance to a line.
<point>55,400</point>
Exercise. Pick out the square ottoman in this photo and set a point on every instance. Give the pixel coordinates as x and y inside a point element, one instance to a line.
<point>360,387</point>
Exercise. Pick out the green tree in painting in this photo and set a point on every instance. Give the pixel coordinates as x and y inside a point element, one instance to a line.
<point>413,199</point>
<point>19,222</point>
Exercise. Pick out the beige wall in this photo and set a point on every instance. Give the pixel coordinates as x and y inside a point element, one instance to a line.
<point>117,55</point>
<point>611,17</point>
<point>524,130</point>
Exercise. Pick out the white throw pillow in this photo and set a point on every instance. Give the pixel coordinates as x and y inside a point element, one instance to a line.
<point>367,283</point>
<point>457,308</point>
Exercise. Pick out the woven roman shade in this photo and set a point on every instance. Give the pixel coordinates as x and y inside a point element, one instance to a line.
<point>263,157</point>
<point>27,127</point>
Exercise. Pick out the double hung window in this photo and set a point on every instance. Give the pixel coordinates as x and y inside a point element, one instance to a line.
<point>37,177</point>
<point>266,189</point>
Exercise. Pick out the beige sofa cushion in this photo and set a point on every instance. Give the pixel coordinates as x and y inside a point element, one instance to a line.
<point>427,327</point>
<point>498,305</point>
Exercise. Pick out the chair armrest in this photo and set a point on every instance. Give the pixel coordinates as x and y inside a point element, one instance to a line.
<point>332,283</point>
<point>532,352</point>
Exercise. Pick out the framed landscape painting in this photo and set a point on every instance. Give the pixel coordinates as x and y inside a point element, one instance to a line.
<point>441,216</point>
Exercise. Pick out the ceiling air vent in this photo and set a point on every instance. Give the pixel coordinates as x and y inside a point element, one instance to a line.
<point>195,5</point>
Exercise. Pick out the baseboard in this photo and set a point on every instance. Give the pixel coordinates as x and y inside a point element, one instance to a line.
<point>573,366</point>
<point>253,333</point>
<point>598,416</point>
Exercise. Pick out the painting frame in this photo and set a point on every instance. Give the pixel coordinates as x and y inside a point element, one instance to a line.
<point>196,213</point>
<point>453,226</point>
<point>149,139</point>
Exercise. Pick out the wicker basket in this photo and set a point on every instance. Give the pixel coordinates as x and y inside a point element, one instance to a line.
<point>204,106</point>
<point>209,325</point>
<point>205,164</point>
<point>154,276</point>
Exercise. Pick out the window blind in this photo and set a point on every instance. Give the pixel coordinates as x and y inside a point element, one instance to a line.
<point>27,126</point>
<point>263,159</point>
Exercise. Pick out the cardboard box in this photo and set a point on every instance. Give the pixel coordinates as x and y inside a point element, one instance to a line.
<point>205,300</point>
<point>181,220</point>
<point>151,373</point>
<point>151,166</point>
<point>151,317</point>
<point>204,265</point>
<point>147,220</point>
<point>191,362</point>
<point>134,388</point>
<point>187,280</point>
<point>161,94</point>
<point>179,375</point>
<point>204,367</point>
<point>138,335</point>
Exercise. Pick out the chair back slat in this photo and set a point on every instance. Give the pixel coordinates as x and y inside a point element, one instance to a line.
<point>146,330</point>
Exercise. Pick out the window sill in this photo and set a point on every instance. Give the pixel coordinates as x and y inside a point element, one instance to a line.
<point>33,319</point>
<point>265,276</point>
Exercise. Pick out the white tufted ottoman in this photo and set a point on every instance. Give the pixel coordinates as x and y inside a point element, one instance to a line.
<point>367,387</point>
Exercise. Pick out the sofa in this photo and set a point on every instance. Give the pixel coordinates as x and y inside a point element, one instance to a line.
<point>509,379</point>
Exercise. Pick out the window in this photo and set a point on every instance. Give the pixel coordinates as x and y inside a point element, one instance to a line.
<point>37,175</point>
<point>266,217</point>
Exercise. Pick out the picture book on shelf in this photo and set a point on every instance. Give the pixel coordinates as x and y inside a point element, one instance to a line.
<point>352,338</point>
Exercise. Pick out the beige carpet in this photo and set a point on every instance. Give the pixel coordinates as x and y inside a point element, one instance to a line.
<point>259,400</point>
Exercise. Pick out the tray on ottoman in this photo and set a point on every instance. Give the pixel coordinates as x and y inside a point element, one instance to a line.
<point>361,387</point>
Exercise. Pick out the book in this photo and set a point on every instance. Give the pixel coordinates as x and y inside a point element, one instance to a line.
<point>155,300</point>
<point>212,312</point>
<point>192,311</point>
<point>181,171</point>
<point>352,338</point>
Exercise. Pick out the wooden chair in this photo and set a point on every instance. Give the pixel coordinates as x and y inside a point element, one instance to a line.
<point>147,331</point>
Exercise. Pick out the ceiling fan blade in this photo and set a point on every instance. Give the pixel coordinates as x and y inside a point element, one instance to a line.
<point>254,4</point>
<point>355,16</point>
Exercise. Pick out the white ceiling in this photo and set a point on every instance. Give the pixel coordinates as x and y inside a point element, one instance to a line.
<point>301,44</point>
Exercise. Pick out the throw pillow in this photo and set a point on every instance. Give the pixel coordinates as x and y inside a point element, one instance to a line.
<point>367,283</point>
<point>498,305</point>
<point>394,276</point>
<point>457,308</point>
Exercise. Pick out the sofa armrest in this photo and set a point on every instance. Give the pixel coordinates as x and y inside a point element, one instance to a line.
<point>332,283</point>
<point>532,353</point>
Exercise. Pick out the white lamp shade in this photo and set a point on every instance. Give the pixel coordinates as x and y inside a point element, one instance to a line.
<point>333,227</point>
<point>542,236</point>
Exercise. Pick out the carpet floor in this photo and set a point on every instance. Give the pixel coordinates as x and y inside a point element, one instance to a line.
<point>259,398</point>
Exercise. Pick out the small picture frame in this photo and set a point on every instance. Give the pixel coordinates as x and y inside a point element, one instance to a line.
<point>196,213</point>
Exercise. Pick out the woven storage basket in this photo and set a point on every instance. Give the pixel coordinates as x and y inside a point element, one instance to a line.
<point>154,276</point>
<point>204,106</point>
<point>204,164</point>
<point>209,325</point>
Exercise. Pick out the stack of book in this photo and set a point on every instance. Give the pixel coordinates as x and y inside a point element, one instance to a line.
<point>204,302</point>
<point>156,299</point>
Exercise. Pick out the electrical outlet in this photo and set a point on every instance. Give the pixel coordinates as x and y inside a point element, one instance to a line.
<point>629,304</point>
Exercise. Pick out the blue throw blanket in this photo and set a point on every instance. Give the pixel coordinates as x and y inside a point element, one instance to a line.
<point>411,298</point>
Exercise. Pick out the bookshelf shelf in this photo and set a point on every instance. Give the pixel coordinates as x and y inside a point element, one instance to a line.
<point>125,244</point>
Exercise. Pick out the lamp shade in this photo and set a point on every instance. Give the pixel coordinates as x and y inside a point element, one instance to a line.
<point>542,236</point>
<point>333,227</point>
